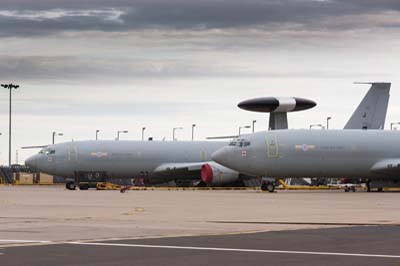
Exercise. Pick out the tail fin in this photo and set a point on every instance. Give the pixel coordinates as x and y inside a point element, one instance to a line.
<point>371,113</point>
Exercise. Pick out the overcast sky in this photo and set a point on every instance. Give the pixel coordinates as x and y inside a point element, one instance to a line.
<point>116,65</point>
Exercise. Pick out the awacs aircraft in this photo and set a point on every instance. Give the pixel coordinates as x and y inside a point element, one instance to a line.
<point>371,154</point>
<point>153,161</point>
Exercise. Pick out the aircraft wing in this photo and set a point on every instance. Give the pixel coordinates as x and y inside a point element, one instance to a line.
<point>180,170</point>
<point>35,147</point>
<point>389,167</point>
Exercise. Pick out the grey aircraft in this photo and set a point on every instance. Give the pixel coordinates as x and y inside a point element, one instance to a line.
<point>153,161</point>
<point>370,154</point>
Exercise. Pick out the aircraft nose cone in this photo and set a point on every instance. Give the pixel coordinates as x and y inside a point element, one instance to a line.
<point>221,156</point>
<point>31,162</point>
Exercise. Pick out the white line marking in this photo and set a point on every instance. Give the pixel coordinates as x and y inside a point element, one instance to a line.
<point>23,241</point>
<point>239,250</point>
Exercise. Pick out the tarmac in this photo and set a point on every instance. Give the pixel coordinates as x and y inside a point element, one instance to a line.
<point>48,225</point>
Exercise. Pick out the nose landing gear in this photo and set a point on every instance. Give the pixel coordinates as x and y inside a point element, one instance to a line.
<point>70,185</point>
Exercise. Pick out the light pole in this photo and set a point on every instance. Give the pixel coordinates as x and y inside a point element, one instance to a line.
<point>10,87</point>
<point>143,129</point>
<point>121,131</point>
<point>240,129</point>
<point>56,134</point>
<point>97,134</point>
<point>0,135</point>
<point>392,124</point>
<point>317,125</point>
<point>193,126</point>
<point>327,121</point>
<point>254,121</point>
<point>173,132</point>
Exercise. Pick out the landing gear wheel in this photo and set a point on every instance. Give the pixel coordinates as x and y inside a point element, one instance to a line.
<point>70,185</point>
<point>380,189</point>
<point>346,189</point>
<point>268,186</point>
<point>124,189</point>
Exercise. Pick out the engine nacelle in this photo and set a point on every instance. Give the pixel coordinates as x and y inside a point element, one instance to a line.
<point>216,175</point>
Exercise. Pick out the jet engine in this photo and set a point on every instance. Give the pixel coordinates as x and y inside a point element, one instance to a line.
<point>217,175</point>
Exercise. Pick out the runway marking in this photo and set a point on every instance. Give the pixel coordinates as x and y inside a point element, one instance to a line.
<point>24,241</point>
<point>304,223</point>
<point>239,250</point>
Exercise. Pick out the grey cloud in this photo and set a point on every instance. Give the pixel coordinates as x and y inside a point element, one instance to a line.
<point>72,69</point>
<point>180,14</point>
<point>139,109</point>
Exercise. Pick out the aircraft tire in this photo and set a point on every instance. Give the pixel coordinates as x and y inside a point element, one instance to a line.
<point>70,185</point>
<point>268,186</point>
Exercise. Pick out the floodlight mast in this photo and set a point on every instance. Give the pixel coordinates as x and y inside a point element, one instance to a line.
<point>10,87</point>
<point>240,129</point>
<point>143,129</point>
<point>193,126</point>
<point>173,132</point>
<point>121,131</point>
<point>54,134</point>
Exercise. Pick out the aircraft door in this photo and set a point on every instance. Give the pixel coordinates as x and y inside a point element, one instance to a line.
<point>272,146</point>
<point>72,153</point>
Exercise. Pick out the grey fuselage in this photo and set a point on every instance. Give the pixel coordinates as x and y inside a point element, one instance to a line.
<point>314,153</point>
<point>120,159</point>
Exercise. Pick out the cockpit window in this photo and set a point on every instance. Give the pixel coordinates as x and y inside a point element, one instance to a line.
<point>47,151</point>
<point>240,143</point>
<point>233,143</point>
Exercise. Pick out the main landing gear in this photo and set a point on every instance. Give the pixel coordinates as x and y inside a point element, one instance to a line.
<point>70,185</point>
<point>268,186</point>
